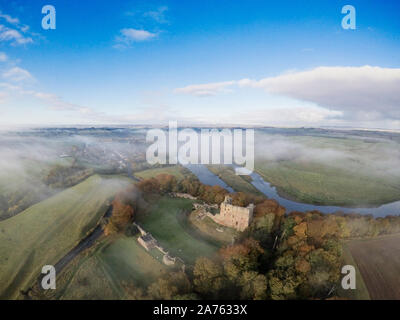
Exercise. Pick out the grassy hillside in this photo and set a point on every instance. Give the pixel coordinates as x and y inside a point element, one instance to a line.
<point>116,266</point>
<point>178,171</point>
<point>22,180</point>
<point>45,232</point>
<point>108,270</point>
<point>167,222</point>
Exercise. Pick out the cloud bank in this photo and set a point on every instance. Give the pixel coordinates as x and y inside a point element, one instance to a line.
<point>356,93</point>
<point>17,74</point>
<point>13,31</point>
<point>362,92</point>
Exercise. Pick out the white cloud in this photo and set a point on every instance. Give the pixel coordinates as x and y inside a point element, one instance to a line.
<point>137,35</point>
<point>14,21</point>
<point>3,96</point>
<point>145,19</point>
<point>208,89</point>
<point>9,19</point>
<point>148,15</point>
<point>365,93</point>
<point>17,74</point>
<point>25,28</point>
<point>130,35</point>
<point>157,15</point>
<point>57,103</point>
<point>148,115</point>
<point>15,87</point>
<point>360,93</point>
<point>13,36</point>
<point>14,31</point>
<point>286,116</point>
<point>3,57</point>
<point>8,86</point>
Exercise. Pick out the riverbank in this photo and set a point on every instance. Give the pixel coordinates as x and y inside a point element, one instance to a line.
<point>207,177</point>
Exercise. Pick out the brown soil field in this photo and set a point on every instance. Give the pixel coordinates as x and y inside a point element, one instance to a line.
<point>379,263</point>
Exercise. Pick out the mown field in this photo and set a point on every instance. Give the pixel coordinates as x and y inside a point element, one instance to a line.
<point>178,171</point>
<point>108,271</point>
<point>45,232</point>
<point>378,261</point>
<point>330,171</point>
<point>166,220</point>
<point>236,182</point>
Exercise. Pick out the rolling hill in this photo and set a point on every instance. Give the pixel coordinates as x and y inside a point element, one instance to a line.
<point>44,233</point>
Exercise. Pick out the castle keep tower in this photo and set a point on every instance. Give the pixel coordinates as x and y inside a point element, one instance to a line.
<point>235,217</point>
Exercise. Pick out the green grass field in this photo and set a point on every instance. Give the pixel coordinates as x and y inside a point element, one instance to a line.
<point>331,171</point>
<point>104,272</point>
<point>236,182</point>
<point>45,232</point>
<point>318,184</point>
<point>207,228</point>
<point>167,222</point>
<point>107,270</point>
<point>178,171</point>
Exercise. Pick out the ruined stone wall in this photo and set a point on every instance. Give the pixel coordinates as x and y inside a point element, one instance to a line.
<point>232,216</point>
<point>235,217</point>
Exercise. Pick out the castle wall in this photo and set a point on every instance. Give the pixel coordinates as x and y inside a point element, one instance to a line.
<point>235,217</point>
<point>143,243</point>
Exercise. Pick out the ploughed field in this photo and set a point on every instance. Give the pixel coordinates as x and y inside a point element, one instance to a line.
<point>379,263</point>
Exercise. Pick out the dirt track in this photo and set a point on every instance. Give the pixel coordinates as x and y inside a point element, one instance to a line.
<point>379,263</point>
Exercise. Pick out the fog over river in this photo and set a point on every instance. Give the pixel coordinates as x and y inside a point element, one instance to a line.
<point>207,177</point>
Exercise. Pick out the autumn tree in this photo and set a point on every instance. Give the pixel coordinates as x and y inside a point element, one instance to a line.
<point>170,286</point>
<point>209,278</point>
<point>149,185</point>
<point>123,207</point>
<point>167,183</point>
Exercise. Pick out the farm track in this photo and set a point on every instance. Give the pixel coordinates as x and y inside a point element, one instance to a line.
<point>85,243</point>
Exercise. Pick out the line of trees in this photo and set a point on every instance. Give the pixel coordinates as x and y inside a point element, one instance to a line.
<point>60,177</point>
<point>166,183</point>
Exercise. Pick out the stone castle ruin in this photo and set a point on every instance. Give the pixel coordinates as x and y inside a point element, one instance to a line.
<point>232,216</point>
<point>149,242</point>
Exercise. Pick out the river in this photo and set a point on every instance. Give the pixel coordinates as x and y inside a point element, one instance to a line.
<point>207,177</point>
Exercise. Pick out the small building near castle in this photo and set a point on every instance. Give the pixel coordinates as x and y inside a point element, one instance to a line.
<point>147,241</point>
<point>150,243</point>
<point>232,216</point>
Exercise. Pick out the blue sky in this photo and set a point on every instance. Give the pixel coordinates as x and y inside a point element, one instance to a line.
<point>127,62</point>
